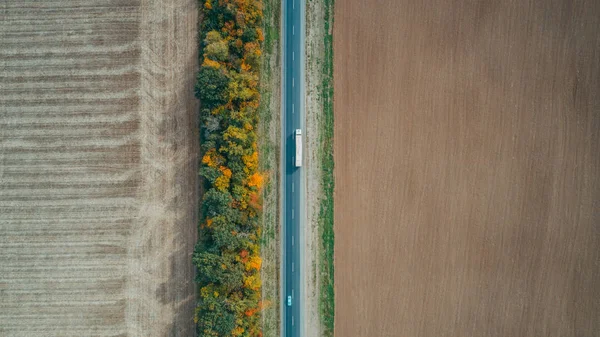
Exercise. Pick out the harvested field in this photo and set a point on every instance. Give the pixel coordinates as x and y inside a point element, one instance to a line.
<point>467,166</point>
<point>98,162</point>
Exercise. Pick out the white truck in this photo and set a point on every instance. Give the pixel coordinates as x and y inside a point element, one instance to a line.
<point>298,136</point>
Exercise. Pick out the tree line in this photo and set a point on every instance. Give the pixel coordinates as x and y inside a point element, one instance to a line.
<point>227,255</point>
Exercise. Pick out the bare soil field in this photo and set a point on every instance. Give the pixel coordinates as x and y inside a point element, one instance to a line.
<point>467,163</point>
<point>98,162</point>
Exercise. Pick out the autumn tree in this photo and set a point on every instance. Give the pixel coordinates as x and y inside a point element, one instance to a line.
<point>228,253</point>
<point>216,48</point>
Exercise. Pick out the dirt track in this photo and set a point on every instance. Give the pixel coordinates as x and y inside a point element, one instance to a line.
<point>98,153</point>
<point>467,151</point>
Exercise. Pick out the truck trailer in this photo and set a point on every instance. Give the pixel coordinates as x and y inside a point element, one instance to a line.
<point>298,136</point>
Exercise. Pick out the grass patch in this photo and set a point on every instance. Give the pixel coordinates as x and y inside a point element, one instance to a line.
<point>269,165</point>
<point>327,301</point>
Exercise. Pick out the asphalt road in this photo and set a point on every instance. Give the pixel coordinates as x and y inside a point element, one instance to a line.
<point>292,188</point>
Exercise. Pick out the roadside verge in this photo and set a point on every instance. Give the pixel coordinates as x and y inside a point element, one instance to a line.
<point>269,148</point>
<point>320,303</point>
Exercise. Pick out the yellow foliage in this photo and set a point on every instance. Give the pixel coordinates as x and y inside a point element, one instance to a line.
<point>210,63</point>
<point>252,282</point>
<point>222,182</point>
<point>196,313</point>
<point>246,66</point>
<point>254,263</point>
<point>254,249</point>
<point>207,4</point>
<point>238,331</point>
<point>233,132</point>
<point>251,162</point>
<point>209,222</point>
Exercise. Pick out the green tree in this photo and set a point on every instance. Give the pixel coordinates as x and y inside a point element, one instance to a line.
<point>221,270</point>
<point>216,48</point>
<point>210,173</point>
<point>211,85</point>
<point>215,318</point>
<point>223,234</point>
<point>250,34</point>
<point>216,202</point>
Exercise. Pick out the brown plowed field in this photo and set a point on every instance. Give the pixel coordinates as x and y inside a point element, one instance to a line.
<point>98,147</point>
<point>467,166</point>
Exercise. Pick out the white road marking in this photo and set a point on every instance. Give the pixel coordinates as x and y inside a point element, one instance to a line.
<point>293,56</point>
<point>292,213</point>
<point>292,241</point>
<point>293,82</point>
<point>292,187</point>
<point>292,293</point>
<point>292,267</point>
<point>293,30</point>
<point>293,4</point>
<point>292,107</point>
<point>292,320</point>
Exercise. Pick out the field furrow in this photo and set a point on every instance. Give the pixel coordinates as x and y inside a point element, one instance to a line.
<point>91,169</point>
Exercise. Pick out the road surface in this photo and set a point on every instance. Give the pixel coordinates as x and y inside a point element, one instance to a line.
<point>292,188</point>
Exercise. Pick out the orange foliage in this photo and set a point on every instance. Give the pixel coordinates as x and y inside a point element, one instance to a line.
<point>228,28</point>
<point>251,312</point>
<point>244,255</point>
<point>246,66</point>
<point>210,158</point>
<point>254,201</point>
<point>226,171</point>
<point>256,180</point>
